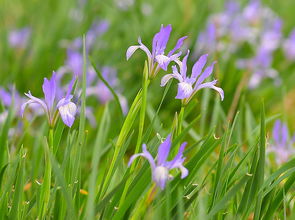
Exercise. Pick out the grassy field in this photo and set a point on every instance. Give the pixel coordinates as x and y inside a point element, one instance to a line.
<point>100,118</point>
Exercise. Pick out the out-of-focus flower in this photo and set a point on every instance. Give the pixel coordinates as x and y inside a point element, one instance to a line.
<point>124,4</point>
<point>18,38</point>
<point>157,59</point>
<point>260,68</point>
<point>66,108</point>
<point>289,46</point>
<point>282,143</point>
<point>189,85</point>
<point>98,89</point>
<point>254,25</point>
<point>161,168</point>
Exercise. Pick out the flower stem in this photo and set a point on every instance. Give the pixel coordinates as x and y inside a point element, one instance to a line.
<point>145,83</point>
<point>127,125</point>
<point>180,119</point>
<point>45,189</point>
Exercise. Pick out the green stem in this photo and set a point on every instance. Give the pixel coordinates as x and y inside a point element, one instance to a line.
<point>145,83</point>
<point>180,119</point>
<point>121,139</point>
<point>45,189</point>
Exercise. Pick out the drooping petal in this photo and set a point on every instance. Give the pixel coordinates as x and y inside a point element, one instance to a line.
<point>164,150</point>
<point>141,46</point>
<point>167,77</point>
<point>177,46</point>
<point>207,72</point>
<point>33,99</point>
<point>146,155</point>
<point>183,170</point>
<point>67,112</point>
<point>184,90</point>
<point>199,65</point>
<point>130,51</point>
<point>49,89</point>
<point>211,85</point>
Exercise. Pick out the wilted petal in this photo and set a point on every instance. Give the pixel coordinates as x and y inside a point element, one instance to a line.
<point>184,90</point>
<point>211,85</point>
<point>199,65</point>
<point>146,155</point>
<point>164,150</point>
<point>67,112</point>
<point>49,89</point>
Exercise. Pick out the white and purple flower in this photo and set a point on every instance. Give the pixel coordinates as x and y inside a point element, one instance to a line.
<point>161,168</point>
<point>157,59</point>
<point>66,108</point>
<point>189,85</point>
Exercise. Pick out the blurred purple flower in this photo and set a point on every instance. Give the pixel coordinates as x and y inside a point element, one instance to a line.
<point>74,62</point>
<point>260,68</point>
<point>18,38</point>
<point>161,168</point>
<point>282,145</point>
<point>156,58</point>
<point>207,40</point>
<point>289,46</point>
<point>66,108</point>
<point>98,89</point>
<point>189,85</point>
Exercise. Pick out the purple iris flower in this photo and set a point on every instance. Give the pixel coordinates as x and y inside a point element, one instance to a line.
<point>189,85</point>
<point>18,38</point>
<point>66,108</point>
<point>161,168</point>
<point>289,46</point>
<point>157,59</point>
<point>282,146</point>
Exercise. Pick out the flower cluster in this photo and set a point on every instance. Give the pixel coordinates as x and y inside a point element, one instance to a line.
<point>255,25</point>
<point>188,85</point>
